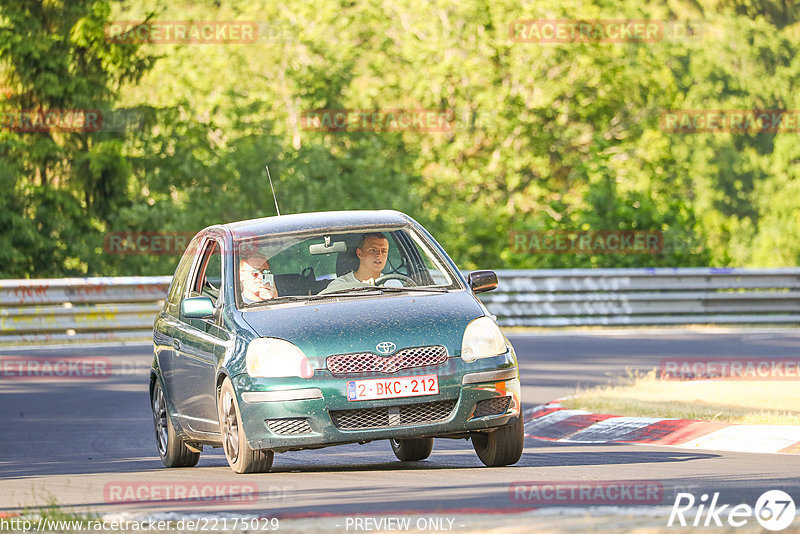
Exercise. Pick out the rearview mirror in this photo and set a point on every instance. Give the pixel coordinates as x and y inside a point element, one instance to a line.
<point>480,281</point>
<point>321,248</point>
<point>197,307</point>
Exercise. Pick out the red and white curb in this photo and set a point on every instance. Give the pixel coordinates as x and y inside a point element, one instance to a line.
<point>553,423</point>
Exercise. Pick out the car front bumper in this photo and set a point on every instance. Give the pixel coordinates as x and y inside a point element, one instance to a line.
<point>289,414</point>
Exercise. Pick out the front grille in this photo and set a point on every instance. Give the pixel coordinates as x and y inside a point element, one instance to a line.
<point>409,414</point>
<point>367,362</point>
<point>495,406</point>
<point>289,426</point>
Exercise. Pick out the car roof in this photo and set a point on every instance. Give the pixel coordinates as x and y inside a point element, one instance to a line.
<point>333,221</point>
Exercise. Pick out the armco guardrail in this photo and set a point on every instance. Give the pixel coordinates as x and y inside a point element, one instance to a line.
<point>83,309</point>
<point>80,309</point>
<point>662,296</point>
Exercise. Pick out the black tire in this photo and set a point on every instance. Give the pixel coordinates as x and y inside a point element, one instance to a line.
<point>171,448</point>
<point>502,446</point>
<point>240,456</point>
<point>412,450</point>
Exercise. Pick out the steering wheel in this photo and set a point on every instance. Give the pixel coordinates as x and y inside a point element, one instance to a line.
<point>395,276</point>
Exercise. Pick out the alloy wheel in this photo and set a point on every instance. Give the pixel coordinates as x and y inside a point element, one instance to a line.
<point>160,420</point>
<point>230,427</point>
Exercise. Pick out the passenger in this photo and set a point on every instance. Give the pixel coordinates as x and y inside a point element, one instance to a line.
<point>254,289</point>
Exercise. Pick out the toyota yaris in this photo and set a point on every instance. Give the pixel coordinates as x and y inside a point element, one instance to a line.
<point>309,330</point>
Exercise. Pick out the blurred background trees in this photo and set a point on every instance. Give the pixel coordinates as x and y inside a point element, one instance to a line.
<point>545,136</point>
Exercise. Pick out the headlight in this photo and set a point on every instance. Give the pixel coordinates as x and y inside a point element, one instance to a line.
<point>273,358</point>
<point>482,339</point>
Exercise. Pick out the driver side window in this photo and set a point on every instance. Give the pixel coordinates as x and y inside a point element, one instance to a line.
<point>208,277</point>
<point>396,262</point>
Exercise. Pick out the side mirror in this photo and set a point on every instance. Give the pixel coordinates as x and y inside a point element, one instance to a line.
<point>197,307</point>
<point>480,281</point>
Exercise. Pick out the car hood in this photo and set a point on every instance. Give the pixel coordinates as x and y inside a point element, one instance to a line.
<point>358,324</point>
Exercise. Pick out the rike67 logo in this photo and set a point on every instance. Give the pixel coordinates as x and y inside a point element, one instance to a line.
<point>774,510</point>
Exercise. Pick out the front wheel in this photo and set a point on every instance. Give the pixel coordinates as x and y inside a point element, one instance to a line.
<point>412,450</point>
<point>240,456</point>
<point>502,446</point>
<point>173,450</point>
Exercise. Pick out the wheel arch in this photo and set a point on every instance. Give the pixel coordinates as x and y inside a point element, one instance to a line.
<point>154,375</point>
<point>222,374</point>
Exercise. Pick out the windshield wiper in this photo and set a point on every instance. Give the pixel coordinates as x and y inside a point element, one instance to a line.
<point>355,291</point>
<point>415,288</point>
<point>285,298</point>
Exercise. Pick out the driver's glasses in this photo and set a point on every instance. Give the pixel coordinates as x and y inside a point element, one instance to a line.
<point>375,251</point>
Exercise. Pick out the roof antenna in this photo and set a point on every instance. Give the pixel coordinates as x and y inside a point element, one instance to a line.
<point>273,190</point>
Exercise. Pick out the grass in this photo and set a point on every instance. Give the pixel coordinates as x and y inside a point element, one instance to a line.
<point>52,512</point>
<point>732,401</point>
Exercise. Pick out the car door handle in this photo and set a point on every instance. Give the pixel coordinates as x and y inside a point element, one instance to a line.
<point>176,344</point>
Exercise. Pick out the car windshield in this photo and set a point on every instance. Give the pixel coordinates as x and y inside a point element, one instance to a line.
<point>321,265</point>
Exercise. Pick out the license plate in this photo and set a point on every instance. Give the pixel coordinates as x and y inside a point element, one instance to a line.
<point>392,388</point>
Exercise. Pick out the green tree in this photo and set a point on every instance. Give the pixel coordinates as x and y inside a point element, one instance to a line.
<point>63,186</point>
<point>553,137</point>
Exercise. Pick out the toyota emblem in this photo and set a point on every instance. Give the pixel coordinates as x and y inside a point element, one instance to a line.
<point>386,347</point>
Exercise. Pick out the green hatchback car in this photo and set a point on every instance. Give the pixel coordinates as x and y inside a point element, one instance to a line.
<point>309,330</point>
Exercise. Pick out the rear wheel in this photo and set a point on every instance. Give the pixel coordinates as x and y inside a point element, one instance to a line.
<point>173,450</point>
<point>240,456</point>
<point>502,446</point>
<point>412,450</point>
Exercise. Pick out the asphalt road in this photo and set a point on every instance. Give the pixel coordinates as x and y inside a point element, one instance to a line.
<point>82,443</point>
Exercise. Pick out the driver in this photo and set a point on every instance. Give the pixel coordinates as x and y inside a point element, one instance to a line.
<point>372,253</point>
<point>254,289</point>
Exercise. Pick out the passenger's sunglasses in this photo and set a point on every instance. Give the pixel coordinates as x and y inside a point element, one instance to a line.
<point>256,273</point>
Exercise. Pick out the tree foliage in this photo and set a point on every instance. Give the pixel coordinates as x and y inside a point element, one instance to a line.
<point>545,137</point>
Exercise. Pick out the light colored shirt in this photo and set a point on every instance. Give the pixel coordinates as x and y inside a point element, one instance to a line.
<point>347,281</point>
